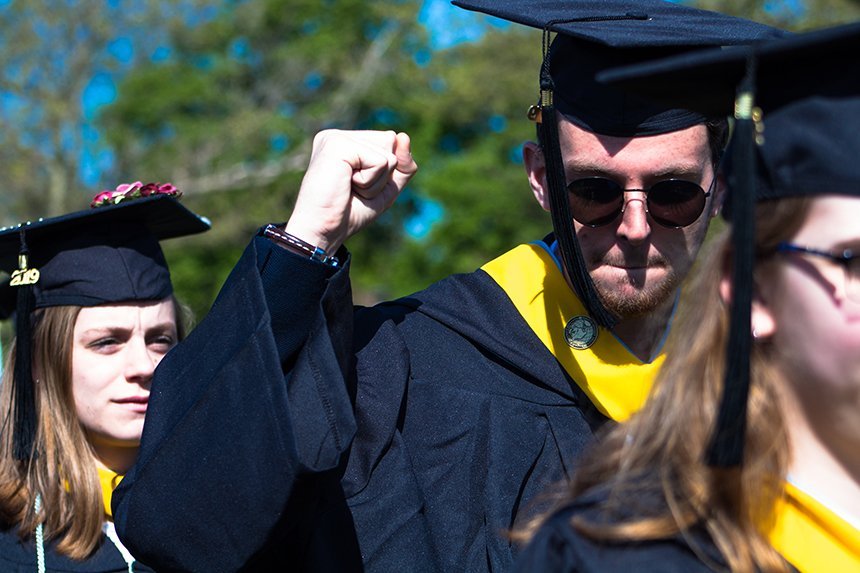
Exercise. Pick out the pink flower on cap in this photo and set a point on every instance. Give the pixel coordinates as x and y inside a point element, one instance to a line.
<point>126,188</point>
<point>149,189</point>
<point>134,190</point>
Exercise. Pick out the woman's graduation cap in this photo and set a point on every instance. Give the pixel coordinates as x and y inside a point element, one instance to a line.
<point>102,255</point>
<point>797,112</point>
<point>595,35</point>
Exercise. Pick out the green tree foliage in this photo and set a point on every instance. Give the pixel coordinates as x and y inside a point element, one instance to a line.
<point>51,52</point>
<point>236,102</point>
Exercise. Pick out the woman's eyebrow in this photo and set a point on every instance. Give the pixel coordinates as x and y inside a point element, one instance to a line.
<point>96,330</point>
<point>161,327</point>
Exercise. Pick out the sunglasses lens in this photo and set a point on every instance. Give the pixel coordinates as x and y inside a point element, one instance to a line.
<point>595,201</point>
<point>675,203</point>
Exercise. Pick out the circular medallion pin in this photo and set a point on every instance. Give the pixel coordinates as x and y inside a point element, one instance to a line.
<point>580,332</point>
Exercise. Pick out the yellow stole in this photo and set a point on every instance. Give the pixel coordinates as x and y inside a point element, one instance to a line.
<point>109,480</point>
<point>813,538</point>
<point>615,380</point>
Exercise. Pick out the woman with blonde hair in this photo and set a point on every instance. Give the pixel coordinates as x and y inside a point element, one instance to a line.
<point>95,313</point>
<point>746,456</point>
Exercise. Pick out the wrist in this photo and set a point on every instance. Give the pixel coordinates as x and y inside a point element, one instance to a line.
<point>297,245</point>
<point>308,229</point>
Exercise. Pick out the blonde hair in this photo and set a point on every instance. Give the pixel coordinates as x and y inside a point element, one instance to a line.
<point>660,452</point>
<point>63,471</point>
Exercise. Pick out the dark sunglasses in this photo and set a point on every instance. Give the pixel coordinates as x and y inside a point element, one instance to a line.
<point>675,203</point>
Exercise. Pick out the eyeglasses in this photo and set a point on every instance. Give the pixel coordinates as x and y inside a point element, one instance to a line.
<point>847,259</point>
<point>674,203</point>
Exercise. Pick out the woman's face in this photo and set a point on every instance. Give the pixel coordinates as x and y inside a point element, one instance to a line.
<point>114,353</point>
<point>816,325</point>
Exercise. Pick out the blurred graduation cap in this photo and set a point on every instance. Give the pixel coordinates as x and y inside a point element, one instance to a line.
<point>592,36</point>
<point>102,255</point>
<point>796,104</point>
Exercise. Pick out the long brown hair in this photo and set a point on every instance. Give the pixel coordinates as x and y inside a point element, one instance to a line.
<point>661,450</point>
<point>63,471</point>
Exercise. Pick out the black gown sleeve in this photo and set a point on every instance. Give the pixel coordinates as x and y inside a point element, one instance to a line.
<point>246,429</point>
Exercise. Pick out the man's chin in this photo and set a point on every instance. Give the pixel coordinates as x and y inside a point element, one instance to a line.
<point>631,301</point>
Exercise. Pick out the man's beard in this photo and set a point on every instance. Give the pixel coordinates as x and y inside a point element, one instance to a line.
<point>637,299</point>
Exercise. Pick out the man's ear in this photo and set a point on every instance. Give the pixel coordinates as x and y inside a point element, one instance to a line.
<point>536,169</point>
<point>761,318</point>
<point>720,189</point>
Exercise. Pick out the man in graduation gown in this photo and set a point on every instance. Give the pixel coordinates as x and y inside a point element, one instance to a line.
<point>292,431</point>
<point>811,122</point>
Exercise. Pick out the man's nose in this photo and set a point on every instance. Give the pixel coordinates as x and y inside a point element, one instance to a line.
<point>634,226</point>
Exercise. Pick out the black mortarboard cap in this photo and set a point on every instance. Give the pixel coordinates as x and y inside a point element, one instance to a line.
<point>594,35</point>
<point>797,107</point>
<point>101,255</point>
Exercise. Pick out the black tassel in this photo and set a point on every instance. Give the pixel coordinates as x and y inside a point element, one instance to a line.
<point>727,442</point>
<point>23,390</point>
<point>562,221</point>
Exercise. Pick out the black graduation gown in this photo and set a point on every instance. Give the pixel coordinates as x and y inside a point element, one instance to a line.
<point>20,557</point>
<point>292,432</point>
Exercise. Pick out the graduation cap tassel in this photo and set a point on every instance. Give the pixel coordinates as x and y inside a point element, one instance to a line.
<point>562,221</point>
<point>24,392</point>
<point>727,443</point>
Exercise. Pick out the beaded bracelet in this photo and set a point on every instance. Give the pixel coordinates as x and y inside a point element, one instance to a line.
<point>277,234</point>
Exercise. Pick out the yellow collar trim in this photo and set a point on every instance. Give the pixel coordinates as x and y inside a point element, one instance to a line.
<point>813,538</point>
<point>108,480</point>
<point>615,380</point>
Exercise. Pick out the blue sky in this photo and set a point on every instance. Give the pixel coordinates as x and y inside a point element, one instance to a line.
<point>450,25</point>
